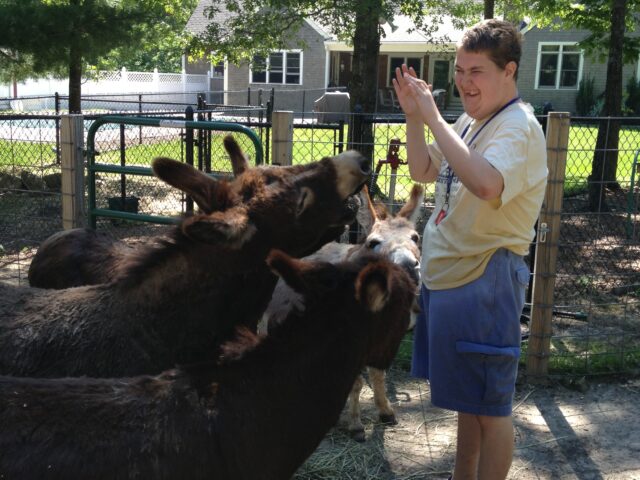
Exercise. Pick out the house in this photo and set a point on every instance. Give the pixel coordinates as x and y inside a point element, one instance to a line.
<point>300,77</point>
<point>551,68</point>
<point>553,65</point>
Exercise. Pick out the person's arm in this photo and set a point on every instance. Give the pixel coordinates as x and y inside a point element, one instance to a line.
<point>421,167</point>
<point>473,170</point>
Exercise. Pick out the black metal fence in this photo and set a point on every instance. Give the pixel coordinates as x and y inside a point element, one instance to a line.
<point>596,326</point>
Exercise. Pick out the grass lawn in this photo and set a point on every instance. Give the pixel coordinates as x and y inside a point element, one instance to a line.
<point>26,154</point>
<point>313,144</point>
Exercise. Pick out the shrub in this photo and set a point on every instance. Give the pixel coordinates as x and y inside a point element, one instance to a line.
<point>586,97</point>
<point>633,96</point>
<point>596,108</point>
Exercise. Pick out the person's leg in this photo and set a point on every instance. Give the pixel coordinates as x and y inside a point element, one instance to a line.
<point>484,447</point>
<point>468,447</point>
<point>496,450</point>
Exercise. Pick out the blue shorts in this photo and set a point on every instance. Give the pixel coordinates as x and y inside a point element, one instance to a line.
<point>467,339</point>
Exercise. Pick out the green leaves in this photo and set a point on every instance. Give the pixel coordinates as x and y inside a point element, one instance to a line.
<point>45,30</point>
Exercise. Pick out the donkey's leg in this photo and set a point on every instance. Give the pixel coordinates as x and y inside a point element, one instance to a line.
<point>377,378</point>
<point>356,429</point>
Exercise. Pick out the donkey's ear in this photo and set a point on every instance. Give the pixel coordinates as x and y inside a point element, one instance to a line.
<point>209,194</point>
<point>239,162</point>
<point>230,228</point>
<point>288,268</point>
<point>381,210</point>
<point>306,198</point>
<point>366,215</point>
<point>411,209</point>
<point>307,277</point>
<point>372,286</point>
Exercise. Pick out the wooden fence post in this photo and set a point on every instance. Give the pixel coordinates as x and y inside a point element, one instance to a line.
<point>72,160</point>
<point>282,141</point>
<point>544,274</point>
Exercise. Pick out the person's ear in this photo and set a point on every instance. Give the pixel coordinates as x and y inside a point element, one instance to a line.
<point>511,68</point>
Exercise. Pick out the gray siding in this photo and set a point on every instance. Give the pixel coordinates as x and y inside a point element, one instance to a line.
<point>287,97</point>
<point>200,66</point>
<point>561,99</point>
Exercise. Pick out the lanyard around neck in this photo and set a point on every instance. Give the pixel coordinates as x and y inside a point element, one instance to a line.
<point>475,135</point>
<point>498,112</point>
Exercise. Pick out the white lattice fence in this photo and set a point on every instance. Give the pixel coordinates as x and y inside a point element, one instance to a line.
<point>177,87</point>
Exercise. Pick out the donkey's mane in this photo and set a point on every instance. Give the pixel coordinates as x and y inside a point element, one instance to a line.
<point>157,252</point>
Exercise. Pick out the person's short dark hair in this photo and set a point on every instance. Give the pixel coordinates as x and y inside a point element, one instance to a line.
<point>498,38</point>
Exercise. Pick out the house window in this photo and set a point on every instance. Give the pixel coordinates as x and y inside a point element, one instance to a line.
<point>217,70</point>
<point>395,62</point>
<point>278,67</point>
<point>559,66</point>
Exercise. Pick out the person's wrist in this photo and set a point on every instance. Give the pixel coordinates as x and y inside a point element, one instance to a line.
<point>414,116</point>
<point>425,116</point>
<point>431,115</point>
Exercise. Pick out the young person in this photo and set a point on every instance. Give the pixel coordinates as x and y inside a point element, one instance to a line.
<point>490,170</point>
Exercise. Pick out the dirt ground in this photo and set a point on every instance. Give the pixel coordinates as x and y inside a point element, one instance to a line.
<point>588,433</point>
<point>585,431</point>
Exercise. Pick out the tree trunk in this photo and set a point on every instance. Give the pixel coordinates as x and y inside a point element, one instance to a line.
<point>605,157</point>
<point>75,79</point>
<point>364,81</point>
<point>489,6</point>
<point>75,66</point>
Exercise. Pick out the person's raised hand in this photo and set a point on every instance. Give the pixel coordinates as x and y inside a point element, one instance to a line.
<point>420,92</point>
<point>402,85</point>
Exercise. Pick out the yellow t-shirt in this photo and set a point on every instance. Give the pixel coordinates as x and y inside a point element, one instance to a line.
<point>457,250</point>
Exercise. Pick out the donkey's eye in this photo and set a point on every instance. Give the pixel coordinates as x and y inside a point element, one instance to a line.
<point>415,238</point>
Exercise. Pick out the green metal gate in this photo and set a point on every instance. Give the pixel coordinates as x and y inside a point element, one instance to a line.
<point>93,167</point>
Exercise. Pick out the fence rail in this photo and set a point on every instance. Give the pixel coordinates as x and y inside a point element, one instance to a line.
<point>590,327</point>
<point>94,167</point>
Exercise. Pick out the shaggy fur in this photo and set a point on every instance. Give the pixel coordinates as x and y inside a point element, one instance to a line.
<point>393,237</point>
<point>82,256</point>
<point>244,419</point>
<point>62,261</point>
<point>185,294</point>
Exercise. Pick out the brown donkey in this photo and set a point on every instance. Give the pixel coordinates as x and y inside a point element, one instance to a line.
<point>396,239</point>
<point>180,297</point>
<point>81,256</point>
<point>242,419</point>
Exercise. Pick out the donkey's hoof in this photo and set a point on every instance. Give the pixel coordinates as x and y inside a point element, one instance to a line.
<point>357,435</point>
<point>388,419</point>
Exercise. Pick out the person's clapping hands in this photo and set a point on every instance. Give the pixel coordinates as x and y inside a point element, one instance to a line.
<point>414,95</point>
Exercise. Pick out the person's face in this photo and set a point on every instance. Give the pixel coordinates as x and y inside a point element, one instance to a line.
<point>483,86</point>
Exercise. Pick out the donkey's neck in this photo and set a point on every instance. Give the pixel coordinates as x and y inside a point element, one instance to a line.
<point>192,296</point>
<point>185,271</point>
<point>293,392</point>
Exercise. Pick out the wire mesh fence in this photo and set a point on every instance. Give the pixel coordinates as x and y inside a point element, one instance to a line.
<point>596,325</point>
<point>596,317</point>
<point>30,186</point>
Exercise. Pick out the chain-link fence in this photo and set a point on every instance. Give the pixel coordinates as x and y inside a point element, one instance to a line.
<point>30,186</point>
<point>596,321</point>
<point>596,327</point>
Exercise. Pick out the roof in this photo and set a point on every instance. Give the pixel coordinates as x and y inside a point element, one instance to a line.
<point>198,21</point>
<point>401,36</point>
<point>397,36</point>
<point>400,31</point>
